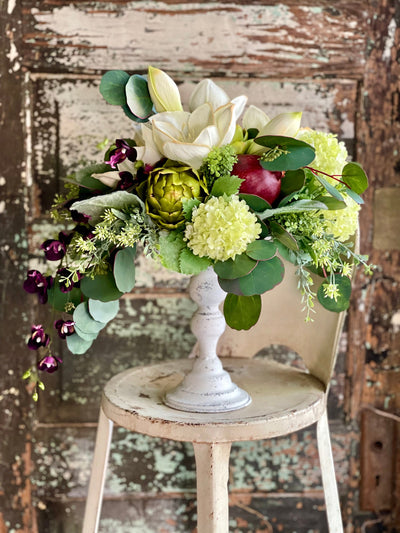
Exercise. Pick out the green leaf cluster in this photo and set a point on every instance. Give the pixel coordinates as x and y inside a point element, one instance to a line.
<point>245,278</point>
<point>176,256</point>
<point>130,92</point>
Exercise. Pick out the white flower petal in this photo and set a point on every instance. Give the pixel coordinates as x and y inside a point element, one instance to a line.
<point>108,178</point>
<point>190,154</point>
<point>239,103</point>
<point>254,117</point>
<point>163,91</point>
<point>209,136</point>
<point>226,124</point>
<point>286,124</point>
<point>198,120</point>
<point>208,91</point>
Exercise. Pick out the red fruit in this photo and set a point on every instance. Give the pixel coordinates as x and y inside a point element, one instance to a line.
<point>257,180</point>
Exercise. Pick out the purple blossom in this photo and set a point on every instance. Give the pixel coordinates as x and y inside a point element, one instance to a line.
<point>55,249</point>
<point>120,153</point>
<point>64,327</point>
<point>49,364</point>
<point>38,338</point>
<point>81,218</point>
<point>66,285</point>
<point>127,180</point>
<point>36,283</point>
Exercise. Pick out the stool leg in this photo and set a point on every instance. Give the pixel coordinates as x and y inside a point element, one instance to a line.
<point>212,466</point>
<point>328,476</point>
<point>98,476</point>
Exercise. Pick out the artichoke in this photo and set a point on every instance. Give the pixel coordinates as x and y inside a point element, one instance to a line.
<point>166,188</point>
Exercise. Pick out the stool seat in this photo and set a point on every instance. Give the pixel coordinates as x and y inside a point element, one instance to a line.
<point>284,399</point>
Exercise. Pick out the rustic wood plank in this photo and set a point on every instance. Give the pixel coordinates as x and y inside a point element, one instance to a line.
<point>373,360</point>
<point>17,414</point>
<point>278,40</point>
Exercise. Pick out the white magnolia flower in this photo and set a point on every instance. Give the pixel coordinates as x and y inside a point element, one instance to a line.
<point>163,91</point>
<point>208,92</point>
<point>189,137</point>
<point>285,124</point>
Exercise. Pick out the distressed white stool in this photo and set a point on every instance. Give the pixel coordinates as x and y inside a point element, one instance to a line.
<point>284,399</point>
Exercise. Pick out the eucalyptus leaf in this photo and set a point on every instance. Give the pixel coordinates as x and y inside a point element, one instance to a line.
<point>124,269</point>
<point>342,301</point>
<point>77,345</point>
<point>130,115</point>
<point>354,176</point>
<point>255,202</point>
<point>283,236</point>
<point>95,206</point>
<point>330,188</point>
<point>138,97</point>
<point>261,250</point>
<point>101,288</point>
<point>292,181</point>
<point>295,207</point>
<point>103,311</point>
<point>332,203</point>
<point>112,86</point>
<point>58,299</point>
<point>294,153</point>
<point>84,320</point>
<point>235,268</point>
<point>264,277</point>
<point>84,335</point>
<point>226,185</point>
<point>230,286</point>
<point>242,312</point>
<point>356,197</point>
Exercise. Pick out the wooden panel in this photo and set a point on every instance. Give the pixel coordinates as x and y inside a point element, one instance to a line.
<point>16,413</point>
<point>275,40</point>
<point>140,465</point>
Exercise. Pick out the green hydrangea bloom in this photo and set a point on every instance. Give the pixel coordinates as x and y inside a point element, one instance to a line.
<point>330,157</point>
<point>221,228</point>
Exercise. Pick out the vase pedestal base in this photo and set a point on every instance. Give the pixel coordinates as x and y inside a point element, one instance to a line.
<point>207,393</point>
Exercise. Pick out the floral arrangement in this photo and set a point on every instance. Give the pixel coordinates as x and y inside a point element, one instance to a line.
<point>197,189</point>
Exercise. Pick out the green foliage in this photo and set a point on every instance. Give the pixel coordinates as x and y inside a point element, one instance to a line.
<point>101,288</point>
<point>124,269</point>
<point>242,312</point>
<point>218,163</point>
<point>340,293</point>
<point>234,268</point>
<point>289,153</point>
<point>112,86</point>
<point>138,97</point>
<point>103,311</point>
<point>226,185</point>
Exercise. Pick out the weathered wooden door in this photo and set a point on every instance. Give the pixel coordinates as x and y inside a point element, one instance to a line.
<point>336,61</point>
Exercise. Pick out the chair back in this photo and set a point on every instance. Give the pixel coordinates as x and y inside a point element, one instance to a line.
<point>282,322</point>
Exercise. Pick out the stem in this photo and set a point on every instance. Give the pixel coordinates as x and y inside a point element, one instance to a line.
<point>333,176</point>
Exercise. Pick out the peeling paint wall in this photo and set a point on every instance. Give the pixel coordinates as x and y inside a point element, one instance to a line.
<point>338,63</point>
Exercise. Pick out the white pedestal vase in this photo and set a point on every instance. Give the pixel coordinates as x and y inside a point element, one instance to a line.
<point>208,388</point>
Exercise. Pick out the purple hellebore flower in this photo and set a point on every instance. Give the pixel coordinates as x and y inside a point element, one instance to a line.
<point>120,153</point>
<point>126,181</point>
<point>64,328</point>
<point>81,218</point>
<point>66,273</point>
<point>37,283</point>
<point>38,338</point>
<point>49,364</point>
<point>54,249</point>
